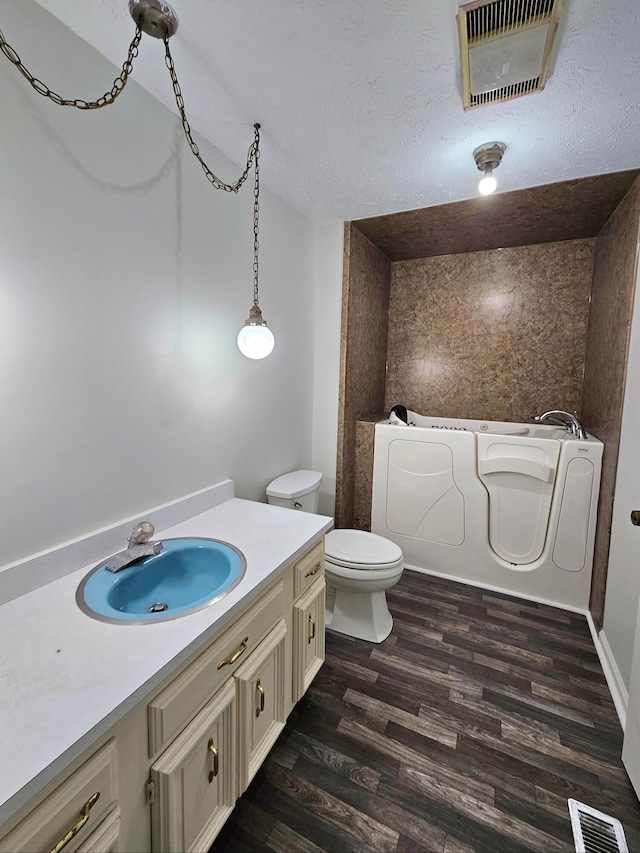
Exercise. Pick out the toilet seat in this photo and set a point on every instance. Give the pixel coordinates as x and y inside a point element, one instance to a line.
<point>361,550</point>
<point>361,567</point>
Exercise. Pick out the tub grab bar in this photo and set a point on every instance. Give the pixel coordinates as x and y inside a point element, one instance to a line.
<point>517,465</point>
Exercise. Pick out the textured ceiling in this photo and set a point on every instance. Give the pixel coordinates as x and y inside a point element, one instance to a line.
<point>359,99</point>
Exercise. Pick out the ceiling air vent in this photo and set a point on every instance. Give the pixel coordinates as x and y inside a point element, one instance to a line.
<point>505,47</point>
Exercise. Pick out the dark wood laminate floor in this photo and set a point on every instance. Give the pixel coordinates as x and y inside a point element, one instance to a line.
<point>466,730</point>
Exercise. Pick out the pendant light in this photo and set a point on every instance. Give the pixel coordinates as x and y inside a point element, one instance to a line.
<point>255,338</point>
<point>158,19</point>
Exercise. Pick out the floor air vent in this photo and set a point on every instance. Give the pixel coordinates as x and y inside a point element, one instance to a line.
<point>594,831</point>
<point>505,48</point>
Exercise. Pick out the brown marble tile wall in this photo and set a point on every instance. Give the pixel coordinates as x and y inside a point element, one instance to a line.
<point>614,277</point>
<point>363,354</point>
<point>363,480</point>
<point>568,210</point>
<point>499,335</point>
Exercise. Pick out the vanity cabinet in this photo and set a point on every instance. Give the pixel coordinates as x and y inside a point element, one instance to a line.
<point>195,782</point>
<point>183,755</point>
<point>179,702</point>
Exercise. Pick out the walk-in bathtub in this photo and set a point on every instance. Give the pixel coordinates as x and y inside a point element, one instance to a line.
<point>509,506</point>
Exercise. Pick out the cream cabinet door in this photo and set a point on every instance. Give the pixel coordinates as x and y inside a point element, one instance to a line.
<point>195,779</point>
<point>308,637</point>
<point>261,702</point>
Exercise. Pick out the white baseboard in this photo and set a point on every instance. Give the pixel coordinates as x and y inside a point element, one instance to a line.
<point>619,692</point>
<point>35,571</point>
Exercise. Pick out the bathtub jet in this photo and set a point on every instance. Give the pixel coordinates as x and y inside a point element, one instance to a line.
<point>509,506</point>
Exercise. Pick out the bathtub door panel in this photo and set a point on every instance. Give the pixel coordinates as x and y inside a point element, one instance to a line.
<point>570,548</point>
<point>518,474</point>
<point>423,500</point>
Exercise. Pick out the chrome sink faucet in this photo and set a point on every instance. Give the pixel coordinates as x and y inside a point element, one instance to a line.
<point>565,419</point>
<point>139,547</point>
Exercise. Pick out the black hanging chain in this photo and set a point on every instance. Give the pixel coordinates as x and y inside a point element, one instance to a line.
<point>252,154</point>
<point>108,98</point>
<point>118,86</point>
<point>256,214</point>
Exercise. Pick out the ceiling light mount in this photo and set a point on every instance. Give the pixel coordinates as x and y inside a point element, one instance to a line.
<point>154,18</point>
<point>489,154</point>
<point>488,157</point>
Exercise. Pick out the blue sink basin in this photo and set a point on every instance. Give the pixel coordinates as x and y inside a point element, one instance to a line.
<point>187,575</point>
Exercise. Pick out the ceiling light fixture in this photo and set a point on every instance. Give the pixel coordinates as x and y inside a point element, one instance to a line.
<point>255,339</point>
<point>488,158</point>
<point>159,20</point>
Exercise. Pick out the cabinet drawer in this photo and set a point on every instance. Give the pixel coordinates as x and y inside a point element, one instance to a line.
<point>178,703</point>
<point>69,805</point>
<point>308,569</point>
<point>308,638</point>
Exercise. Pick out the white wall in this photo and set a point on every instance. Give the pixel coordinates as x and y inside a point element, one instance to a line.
<point>623,577</point>
<point>124,278</point>
<point>328,307</point>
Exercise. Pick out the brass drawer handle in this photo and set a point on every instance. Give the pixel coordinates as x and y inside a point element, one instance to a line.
<point>314,570</point>
<point>260,690</point>
<point>312,628</point>
<point>84,817</point>
<point>234,657</point>
<point>213,773</point>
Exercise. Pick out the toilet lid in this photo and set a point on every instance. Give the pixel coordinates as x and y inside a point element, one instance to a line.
<point>294,485</point>
<point>360,547</point>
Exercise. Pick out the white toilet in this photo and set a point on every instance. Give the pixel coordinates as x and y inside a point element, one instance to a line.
<point>359,566</point>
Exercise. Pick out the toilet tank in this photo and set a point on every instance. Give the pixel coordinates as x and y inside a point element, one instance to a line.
<point>296,490</point>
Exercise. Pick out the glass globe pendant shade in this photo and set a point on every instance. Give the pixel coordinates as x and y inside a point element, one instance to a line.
<point>255,338</point>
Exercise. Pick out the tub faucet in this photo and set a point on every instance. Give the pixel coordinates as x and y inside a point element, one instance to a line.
<point>139,547</point>
<point>565,419</point>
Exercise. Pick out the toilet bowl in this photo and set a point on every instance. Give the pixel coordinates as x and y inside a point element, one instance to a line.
<point>359,566</point>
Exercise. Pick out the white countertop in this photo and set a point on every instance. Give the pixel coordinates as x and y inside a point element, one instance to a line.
<point>66,678</point>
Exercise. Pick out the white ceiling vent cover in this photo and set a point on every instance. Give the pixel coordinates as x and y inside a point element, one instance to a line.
<point>505,46</point>
<point>594,831</point>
